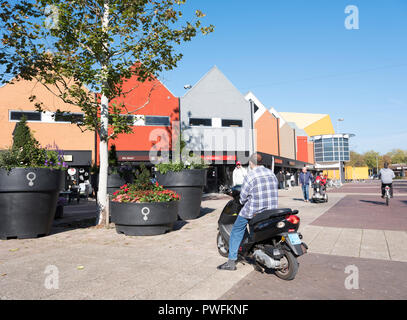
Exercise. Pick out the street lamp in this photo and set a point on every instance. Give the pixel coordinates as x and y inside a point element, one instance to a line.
<point>337,124</point>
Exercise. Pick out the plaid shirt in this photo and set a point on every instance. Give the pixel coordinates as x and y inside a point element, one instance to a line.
<point>259,192</point>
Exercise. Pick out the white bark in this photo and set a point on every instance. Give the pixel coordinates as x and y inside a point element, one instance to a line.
<point>103,159</point>
<point>103,146</point>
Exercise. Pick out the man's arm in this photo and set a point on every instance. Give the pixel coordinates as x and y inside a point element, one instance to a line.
<point>245,191</point>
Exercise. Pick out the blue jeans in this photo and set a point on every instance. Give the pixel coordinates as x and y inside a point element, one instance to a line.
<point>236,236</point>
<point>305,191</point>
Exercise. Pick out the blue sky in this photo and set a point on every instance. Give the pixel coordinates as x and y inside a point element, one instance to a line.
<point>297,56</point>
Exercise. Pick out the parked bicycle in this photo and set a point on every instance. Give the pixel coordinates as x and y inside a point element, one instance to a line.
<point>333,183</point>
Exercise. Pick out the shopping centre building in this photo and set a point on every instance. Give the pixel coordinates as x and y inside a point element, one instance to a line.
<point>216,120</point>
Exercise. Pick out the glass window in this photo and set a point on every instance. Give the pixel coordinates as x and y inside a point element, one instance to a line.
<point>157,121</point>
<point>69,117</point>
<point>232,123</point>
<point>255,108</point>
<point>30,115</point>
<point>200,122</point>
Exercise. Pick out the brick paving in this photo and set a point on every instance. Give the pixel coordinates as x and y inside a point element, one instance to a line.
<point>357,230</point>
<point>366,212</point>
<point>101,264</point>
<point>322,277</point>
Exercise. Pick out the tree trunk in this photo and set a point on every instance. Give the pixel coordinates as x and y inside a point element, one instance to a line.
<point>103,158</point>
<point>104,134</point>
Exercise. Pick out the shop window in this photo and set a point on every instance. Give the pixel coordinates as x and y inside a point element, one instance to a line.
<point>30,115</point>
<point>196,122</point>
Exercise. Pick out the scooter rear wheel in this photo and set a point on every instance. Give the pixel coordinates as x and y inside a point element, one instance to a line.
<point>222,247</point>
<point>289,271</point>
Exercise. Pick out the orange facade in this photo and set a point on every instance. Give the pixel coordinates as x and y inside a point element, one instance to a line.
<point>311,152</point>
<point>267,131</point>
<point>67,136</point>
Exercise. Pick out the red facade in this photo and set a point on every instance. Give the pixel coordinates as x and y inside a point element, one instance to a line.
<point>149,98</point>
<point>302,149</point>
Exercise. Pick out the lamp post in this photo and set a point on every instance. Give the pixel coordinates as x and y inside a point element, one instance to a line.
<point>337,124</point>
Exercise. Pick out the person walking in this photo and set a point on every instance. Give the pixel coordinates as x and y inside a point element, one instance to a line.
<point>238,174</point>
<point>305,179</point>
<point>259,193</point>
<point>280,179</point>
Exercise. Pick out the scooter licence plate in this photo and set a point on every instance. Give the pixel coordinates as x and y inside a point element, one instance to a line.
<point>294,238</point>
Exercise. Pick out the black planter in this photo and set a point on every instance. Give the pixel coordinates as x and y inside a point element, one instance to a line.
<point>59,212</point>
<point>189,185</point>
<point>28,200</point>
<point>114,182</point>
<point>144,219</point>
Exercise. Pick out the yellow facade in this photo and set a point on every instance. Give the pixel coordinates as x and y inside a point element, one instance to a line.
<point>320,127</point>
<point>313,124</point>
<point>356,173</point>
<point>332,174</point>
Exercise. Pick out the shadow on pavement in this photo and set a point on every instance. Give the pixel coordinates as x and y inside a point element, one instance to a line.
<point>374,202</point>
<point>205,211</point>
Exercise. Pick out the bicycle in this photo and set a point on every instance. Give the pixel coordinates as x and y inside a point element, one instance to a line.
<point>387,195</point>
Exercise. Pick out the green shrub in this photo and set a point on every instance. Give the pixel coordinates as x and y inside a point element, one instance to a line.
<point>27,152</point>
<point>163,168</point>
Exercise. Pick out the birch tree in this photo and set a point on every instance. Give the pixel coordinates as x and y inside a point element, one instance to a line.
<point>81,47</point>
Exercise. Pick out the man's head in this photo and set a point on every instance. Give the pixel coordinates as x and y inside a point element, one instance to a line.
<point>304,169</point>
<point>238,164</point>
<point>255,160</point>
<point>321,173</point>
<point>386,165</point>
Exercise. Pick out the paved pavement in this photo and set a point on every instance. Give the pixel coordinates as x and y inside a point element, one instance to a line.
<point>94,263</point>
<point>360,231</point>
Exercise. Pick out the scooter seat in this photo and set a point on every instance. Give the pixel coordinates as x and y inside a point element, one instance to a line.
<point>273,213</point>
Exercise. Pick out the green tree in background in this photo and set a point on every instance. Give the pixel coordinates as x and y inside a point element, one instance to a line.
<point>398,156</point>
<point>73,46</point>
<point>371,159</point>
<point>356,160</point>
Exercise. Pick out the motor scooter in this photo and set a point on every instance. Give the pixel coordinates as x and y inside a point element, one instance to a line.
<point>319,194</point>
<point>272,240</point>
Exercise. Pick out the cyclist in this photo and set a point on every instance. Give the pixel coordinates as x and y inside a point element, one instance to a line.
<point>386,175</point>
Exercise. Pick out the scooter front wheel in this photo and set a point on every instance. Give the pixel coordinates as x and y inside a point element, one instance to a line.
<point>222,247</point>
<point>289,267</point>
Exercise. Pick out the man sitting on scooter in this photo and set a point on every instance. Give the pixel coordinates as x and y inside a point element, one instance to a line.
<point>259,193</point>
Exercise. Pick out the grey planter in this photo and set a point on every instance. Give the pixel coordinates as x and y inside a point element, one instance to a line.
<point>144,219</point>
<point>28,200</point>
<point>189,185</point>
<point>114,182</point>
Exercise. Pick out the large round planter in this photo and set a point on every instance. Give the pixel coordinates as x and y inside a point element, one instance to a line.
<point>28,200</point>
<point>189,185</point>
<point>144,219</point>
<point>114,182</point>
